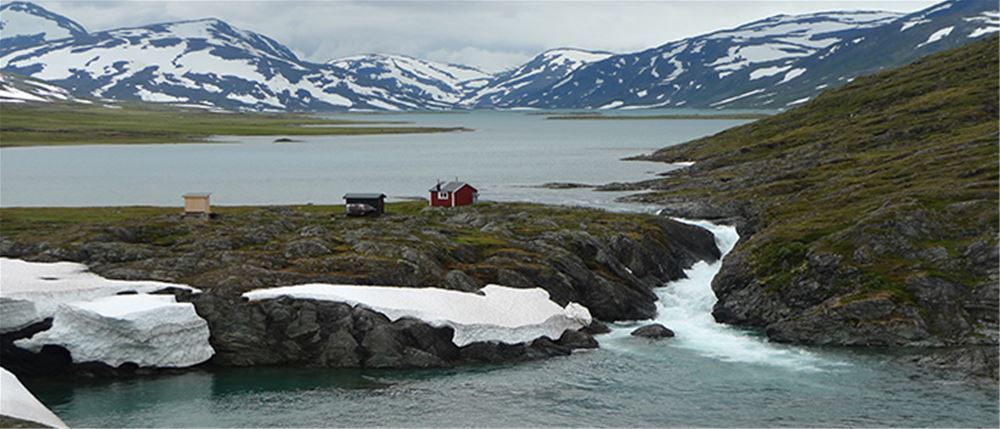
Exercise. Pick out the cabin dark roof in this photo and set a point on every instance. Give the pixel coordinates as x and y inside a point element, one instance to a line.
<point>450,187</point>
<point>363,196</point>
<point>197,195</point>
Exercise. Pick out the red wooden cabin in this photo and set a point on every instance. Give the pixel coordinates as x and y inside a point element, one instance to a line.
<point>453,194</point>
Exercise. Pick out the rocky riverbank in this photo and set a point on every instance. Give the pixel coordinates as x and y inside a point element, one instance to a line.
<point>868,216</point>
<point>607,262</point>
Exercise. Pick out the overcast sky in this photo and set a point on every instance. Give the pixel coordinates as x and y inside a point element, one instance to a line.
<point>492,35</point>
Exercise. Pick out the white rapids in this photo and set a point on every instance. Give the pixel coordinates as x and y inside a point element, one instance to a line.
<point>685,306</point>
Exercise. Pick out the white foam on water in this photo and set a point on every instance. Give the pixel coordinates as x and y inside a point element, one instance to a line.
<point>685,306</point>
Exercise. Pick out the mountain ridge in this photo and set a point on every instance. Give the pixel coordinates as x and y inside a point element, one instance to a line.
<point>774,63</point>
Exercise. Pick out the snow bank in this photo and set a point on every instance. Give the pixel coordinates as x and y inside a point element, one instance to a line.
<point>31,291</point>
<point>501,313</point>
<point>16,401</point>
<point>148,330</point>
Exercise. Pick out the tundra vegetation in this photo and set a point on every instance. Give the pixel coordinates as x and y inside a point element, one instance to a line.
<point>869,215</point>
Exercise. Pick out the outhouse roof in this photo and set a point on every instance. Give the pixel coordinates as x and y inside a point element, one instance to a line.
<point>197,194</point>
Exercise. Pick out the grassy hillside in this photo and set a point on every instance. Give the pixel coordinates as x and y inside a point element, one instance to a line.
<point>46,124</point>
<point>873,208</point>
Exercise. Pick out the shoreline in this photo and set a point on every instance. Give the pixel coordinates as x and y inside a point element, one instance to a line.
<point>71,125</point>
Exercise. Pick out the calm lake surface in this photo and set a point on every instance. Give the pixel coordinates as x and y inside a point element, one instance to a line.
<point>709,375</point>
<point>505,154</point>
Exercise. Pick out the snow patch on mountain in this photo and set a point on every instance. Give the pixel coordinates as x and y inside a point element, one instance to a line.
<point>25,24</point>
<point>767,71</point>
<point>991,21</point>
<point>937,35</point>
<point>792,74</point>
<point>399,74</point>
<point>732,99</point>
<point>913,22</point>
<point>544,70</point>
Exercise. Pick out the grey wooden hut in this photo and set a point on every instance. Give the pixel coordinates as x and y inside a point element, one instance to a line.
<point>364,204</point>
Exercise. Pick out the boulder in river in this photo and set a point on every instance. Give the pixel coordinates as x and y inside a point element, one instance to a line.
<point>654,331</point>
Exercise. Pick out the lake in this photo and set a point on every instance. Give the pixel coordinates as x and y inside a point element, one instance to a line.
<point>505,154</point>
<point>709,375</point>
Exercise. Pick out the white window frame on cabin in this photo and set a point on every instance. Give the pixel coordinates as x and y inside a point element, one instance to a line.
<point>442,195</point>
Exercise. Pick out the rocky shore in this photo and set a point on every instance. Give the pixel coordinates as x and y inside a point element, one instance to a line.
<point>604,261</point>
<point>868,217</point>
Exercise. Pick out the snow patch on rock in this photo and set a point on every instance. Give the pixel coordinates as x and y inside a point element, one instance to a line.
<point>44,286</point>
<point>16,401</point>
<point>500,313</point>
<point>148,330</point>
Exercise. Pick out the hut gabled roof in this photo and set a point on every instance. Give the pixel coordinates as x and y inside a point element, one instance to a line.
<point>451,187</point>
<point>363,196</point>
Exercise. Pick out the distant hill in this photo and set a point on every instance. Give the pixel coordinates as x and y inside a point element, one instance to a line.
<point>868,216</point>
<point>773,63</point>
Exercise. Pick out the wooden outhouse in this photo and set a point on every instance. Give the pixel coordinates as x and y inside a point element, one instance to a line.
<point>197,204</point>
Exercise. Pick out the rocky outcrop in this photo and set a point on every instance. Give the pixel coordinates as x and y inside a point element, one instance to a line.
<point>653,331</point>
<point>867,217</point>
<point>313,333</point>
<point>608,262</point>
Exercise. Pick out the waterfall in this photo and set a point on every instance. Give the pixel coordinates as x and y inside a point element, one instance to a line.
<point>685,306</point>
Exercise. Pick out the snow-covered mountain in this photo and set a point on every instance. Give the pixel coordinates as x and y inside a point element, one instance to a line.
<point>203,62</point>
<point>775,62</point>
<point>511,87</point>
<point>420,82</point>
<point>25,24</point>
<point>17,89</point>
<point>943,26</point>
<point>211,63</point>
<point>703,69</point>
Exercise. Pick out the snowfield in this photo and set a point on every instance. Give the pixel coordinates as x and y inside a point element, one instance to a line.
<point>504,314</point>
<point>148,330</point>
<point>31,291</point>
<point>16,401</point>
